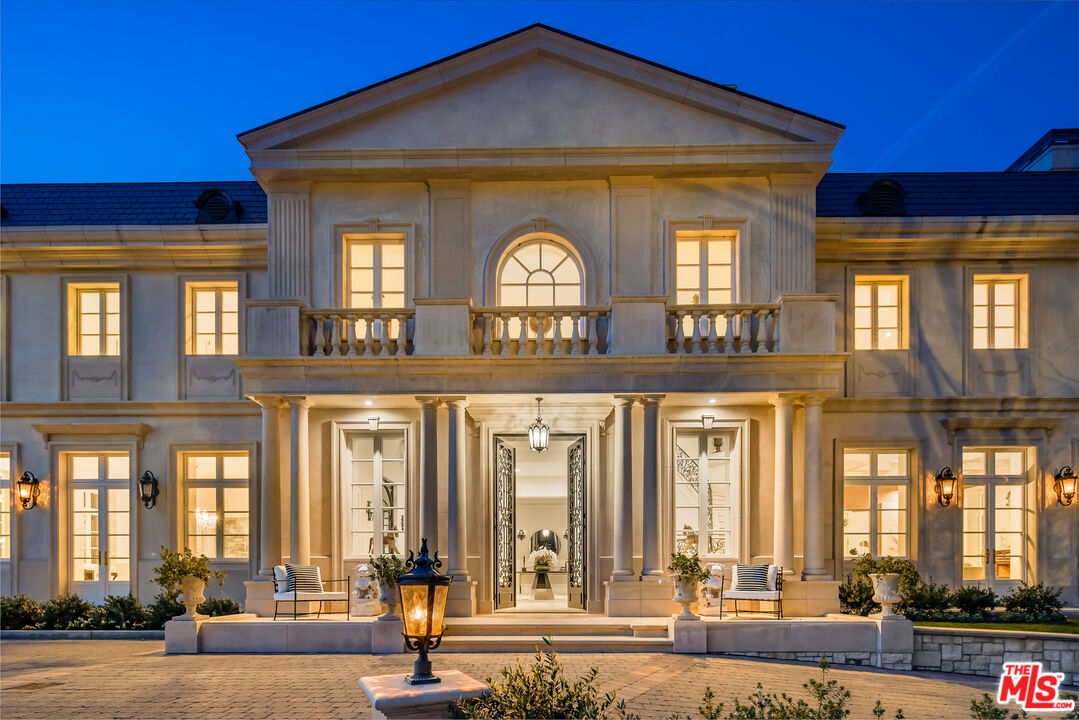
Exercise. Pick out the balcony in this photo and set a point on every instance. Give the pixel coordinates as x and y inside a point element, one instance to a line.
<point>635,344</point>
<point>629,326</point>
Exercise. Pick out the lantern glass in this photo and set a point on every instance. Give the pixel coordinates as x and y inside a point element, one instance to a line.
<point>1065,484</point>
<point>422,619</point>
<point>25,490</point>
<point>538,436</point>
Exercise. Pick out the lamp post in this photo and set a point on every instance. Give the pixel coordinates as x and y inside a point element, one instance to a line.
<point>29,489</point>
<point>148,489</point>
<point>423,592</point>
<point>945,486</point>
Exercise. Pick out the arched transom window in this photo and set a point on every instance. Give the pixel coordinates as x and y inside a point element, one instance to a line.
<point>540,272</point>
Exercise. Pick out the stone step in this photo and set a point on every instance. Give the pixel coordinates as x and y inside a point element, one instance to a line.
<point>650,631</point>
<point>561,643</point>
<point>538,629</point>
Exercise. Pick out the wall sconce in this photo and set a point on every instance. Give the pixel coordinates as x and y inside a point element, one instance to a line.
<point>372,423</point>
<point>29,489</point>
<point>945,486</point>
<point>148,489</point>
<point>1064,483</point>
<point>707,421</point>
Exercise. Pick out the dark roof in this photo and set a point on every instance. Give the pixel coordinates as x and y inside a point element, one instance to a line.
<point>1056,136</point>
<point>563,33</point>
<point>931,194</point>
<point>121,203</point>
<point>938,194</point>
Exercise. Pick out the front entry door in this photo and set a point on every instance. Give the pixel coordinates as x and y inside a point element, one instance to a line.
<point>100,526</point>
<point>993,530</point>
<point>505,526</point>
<point>576,552</point>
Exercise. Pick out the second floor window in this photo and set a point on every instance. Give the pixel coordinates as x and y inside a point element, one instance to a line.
<point>999,312</point>
<point>704,270</point>
<point>375,273</point>
<point>880,312</point>
<point>212,318</point>
<point>539,272</point>
<point>95,319</point>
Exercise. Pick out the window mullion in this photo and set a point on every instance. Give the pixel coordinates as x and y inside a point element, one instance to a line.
<point>991,314</point>
<point>376,274</point>
<point>702,484</point>
<point>219,335</point>
<point>874,524</point>
<point>874,322</point>
<point>376,490</point>
<point>102,323</point>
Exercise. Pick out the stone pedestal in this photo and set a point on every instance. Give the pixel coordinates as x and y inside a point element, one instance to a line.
<point>182,637</point>
<point>461,598</point>
<point>813,598</point>
<point>641,599</point>
<point>258,597</point>
<point>541,586</point>
<point>689,636</point>
<point>392,697</point>
<point>387,637</point>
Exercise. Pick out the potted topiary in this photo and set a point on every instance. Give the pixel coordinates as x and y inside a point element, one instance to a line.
<point>687,572</point>
<point>184,576</point>
<point>388,568</point>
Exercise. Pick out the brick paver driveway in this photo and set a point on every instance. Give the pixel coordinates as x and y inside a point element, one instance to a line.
<point>135,679</point>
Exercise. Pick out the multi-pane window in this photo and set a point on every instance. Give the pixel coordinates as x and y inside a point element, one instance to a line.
<point>375,272</point>
<point>5,505</point>
<point>213,318</point>
<point>880,312</point>
<point>994,481</point>
<point>704,272</point>
<point>217,516</point>
<point>539,272</point>
<point>95,318</point>
<point>100,522</point>
<point>876,488</point>
<point>375,488</point>
<point>705,494</point>
<point>999,312</point>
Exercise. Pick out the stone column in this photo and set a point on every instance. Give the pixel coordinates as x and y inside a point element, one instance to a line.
<point>270,488</point>
<point>429,467</point>
<point>783,501</point>
<point>623,491</point>
<point>814,511</point>
<point>651,565</point>
<point>458,564</point>
<point>300,488</point>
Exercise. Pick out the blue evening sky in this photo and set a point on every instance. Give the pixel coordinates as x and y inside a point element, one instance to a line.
<point>157,90</point>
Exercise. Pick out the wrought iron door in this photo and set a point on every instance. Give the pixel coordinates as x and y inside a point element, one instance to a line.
<point>505,526</point>
<point>577,547</point>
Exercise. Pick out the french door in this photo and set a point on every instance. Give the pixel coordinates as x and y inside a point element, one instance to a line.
<point>505,526</point>
<point>100,547</point>
<point>994,535</point>
<point>577,565</point>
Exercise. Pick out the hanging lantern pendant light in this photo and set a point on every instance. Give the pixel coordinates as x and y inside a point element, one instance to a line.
<point>538,432</point>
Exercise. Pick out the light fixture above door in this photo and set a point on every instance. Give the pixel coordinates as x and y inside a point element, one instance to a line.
<point>538,432</point>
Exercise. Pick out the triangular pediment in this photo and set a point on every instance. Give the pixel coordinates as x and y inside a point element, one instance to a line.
<point>540,88</point>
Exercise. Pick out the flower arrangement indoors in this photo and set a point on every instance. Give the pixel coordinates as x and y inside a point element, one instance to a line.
<point>542,559</point>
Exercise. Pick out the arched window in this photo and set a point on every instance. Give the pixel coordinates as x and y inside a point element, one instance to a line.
<point>540,272</point>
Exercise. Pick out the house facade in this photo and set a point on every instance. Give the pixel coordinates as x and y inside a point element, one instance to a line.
<point>733,352</point>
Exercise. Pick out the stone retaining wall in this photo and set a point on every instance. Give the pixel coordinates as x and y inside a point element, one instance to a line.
<point>890,661</point>
<point>984,652</point>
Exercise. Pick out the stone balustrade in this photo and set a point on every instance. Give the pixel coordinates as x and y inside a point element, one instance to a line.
<point>583,330</point>
<point>723,329</point>
<point>357,332</point>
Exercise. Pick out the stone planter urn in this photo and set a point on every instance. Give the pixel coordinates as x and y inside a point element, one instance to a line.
<point>886,591</point>
<point>685,594</point>
<point>390,599</point>
<point>191,595</point>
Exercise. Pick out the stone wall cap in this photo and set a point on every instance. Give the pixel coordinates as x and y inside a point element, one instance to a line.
<point>392,692</point>
<point>989,633</point>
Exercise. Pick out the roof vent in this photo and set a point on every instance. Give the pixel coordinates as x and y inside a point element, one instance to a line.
<point>215,206</point>
<point>883,198</point>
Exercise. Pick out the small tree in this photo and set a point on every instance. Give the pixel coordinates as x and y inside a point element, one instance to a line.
<point>175,565</point>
